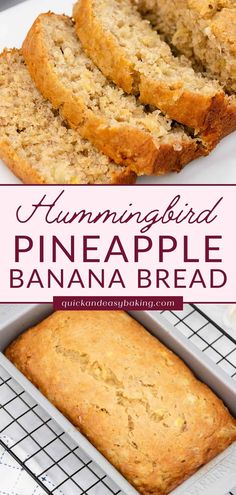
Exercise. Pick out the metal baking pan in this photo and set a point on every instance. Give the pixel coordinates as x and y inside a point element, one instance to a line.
<point>216,478</point>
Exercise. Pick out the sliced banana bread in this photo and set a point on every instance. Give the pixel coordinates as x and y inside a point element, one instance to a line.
<point>36,143</point>
<point>203,30</point>
<point>131,53</point>
<point>116,123</point>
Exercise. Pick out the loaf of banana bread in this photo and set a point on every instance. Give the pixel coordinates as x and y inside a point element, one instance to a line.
<point>135,400</point>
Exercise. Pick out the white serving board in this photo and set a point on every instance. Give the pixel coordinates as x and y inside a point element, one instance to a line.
<point>219,167</point>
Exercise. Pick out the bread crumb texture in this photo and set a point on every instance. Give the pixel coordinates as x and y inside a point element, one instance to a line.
<point>143,64</point>
<point>128,394</point>
<point>203,30</point>
<point>116,123</point>
<point>37,143</point>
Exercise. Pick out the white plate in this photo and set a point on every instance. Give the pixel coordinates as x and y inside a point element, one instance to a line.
<point>219,167</point>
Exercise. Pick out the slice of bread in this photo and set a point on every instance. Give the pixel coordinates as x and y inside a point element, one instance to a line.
<point>131,53</point>
<point>36,143</point>
<point>116,123</point>
<point>203,30</point>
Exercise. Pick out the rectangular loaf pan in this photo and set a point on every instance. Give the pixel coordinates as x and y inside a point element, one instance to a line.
<point>216,478</point>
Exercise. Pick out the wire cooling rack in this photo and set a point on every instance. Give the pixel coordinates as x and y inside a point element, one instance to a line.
<point>42,449</point>
<point>50,457</point>
<point>207,335</point>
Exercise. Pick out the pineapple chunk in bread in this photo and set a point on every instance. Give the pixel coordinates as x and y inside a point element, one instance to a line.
<point>116,123</point>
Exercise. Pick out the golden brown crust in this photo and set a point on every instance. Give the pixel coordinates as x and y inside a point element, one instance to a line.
<point>125,177</point>
<point>126,145</point>
<point>199,111</point>
<point>229,119</point>
<point>127,393</point>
